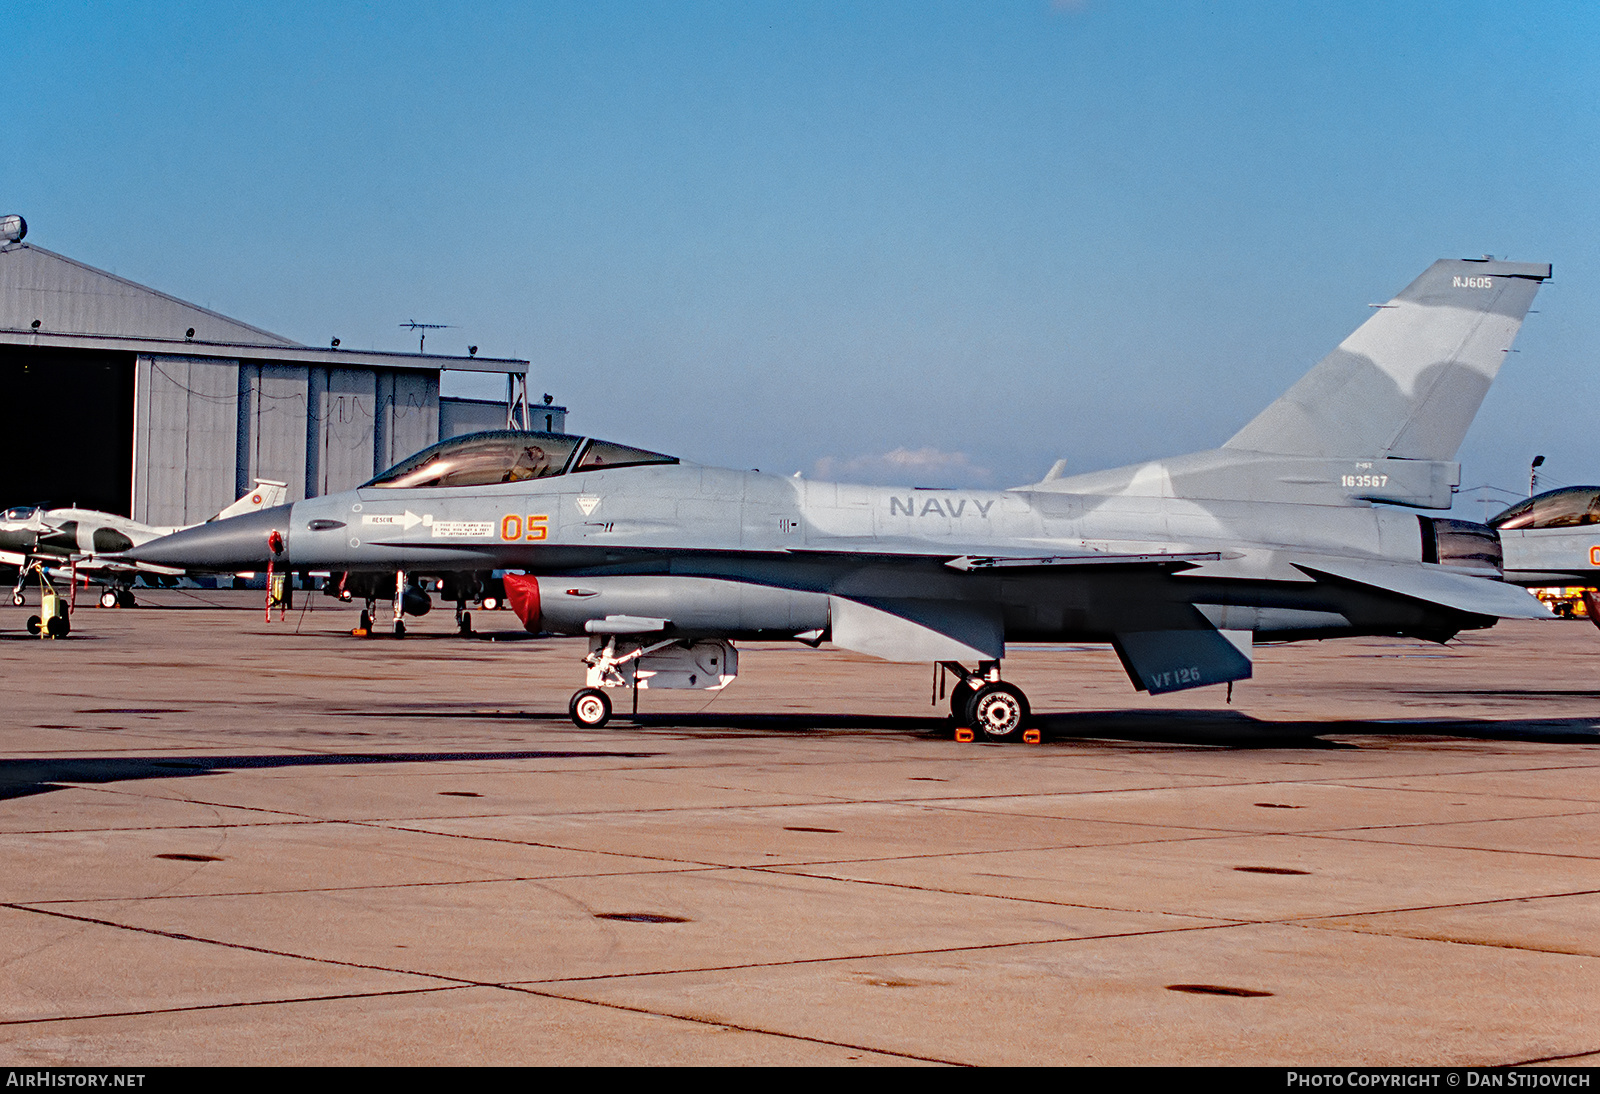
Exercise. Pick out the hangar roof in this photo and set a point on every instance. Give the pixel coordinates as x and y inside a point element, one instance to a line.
<point>48,299</point>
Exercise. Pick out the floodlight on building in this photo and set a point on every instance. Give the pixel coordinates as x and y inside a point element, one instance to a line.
<point>189,333</point>
<point>335,343</point>
<point>12,228</point>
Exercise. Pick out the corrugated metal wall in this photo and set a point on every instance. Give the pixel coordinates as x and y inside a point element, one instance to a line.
<point>205,430</point>
<point>272,427</point>
<point>185,436</point>
<point>408,416</point>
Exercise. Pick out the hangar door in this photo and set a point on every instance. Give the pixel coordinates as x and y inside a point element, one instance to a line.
<point>68,436</point>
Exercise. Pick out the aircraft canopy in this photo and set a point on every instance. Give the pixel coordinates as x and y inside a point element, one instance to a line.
<point>1568,507</point>
<point>506,455</point>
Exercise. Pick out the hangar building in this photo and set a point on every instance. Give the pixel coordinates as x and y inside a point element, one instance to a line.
<point>122,398</point>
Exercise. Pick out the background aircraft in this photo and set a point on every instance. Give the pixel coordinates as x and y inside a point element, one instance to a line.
<point>1302,525</point>
<point>1552,542</point>
<point>59,537</point>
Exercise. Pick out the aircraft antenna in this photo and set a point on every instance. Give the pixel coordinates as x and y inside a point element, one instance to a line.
<point>422,330</point>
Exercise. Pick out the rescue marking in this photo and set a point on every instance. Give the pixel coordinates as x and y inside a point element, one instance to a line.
<point>406,520</point>
<point>587,502</point>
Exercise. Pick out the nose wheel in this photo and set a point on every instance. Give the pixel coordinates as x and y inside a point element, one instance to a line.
<point>590,708</point>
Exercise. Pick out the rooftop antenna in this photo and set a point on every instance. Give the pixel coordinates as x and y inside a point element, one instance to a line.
<point>422,330</point>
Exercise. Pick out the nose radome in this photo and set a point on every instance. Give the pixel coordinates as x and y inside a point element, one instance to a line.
<point>239,543</point>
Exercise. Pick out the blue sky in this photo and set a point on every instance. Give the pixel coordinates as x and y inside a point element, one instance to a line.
<point>942,243</point>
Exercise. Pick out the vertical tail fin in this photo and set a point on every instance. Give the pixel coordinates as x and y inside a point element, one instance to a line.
<point>265,495</point>
<point>1408,382</point>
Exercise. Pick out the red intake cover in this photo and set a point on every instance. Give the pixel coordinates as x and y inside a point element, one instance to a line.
<point>522,590</point>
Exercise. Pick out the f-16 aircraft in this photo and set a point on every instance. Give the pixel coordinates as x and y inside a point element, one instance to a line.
<point>1553,538</point>
<point>1302,525</point>
<point>58,538</point>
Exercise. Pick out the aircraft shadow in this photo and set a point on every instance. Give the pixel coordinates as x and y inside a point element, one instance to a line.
<point>20,778</point>
<point>1222,729</point>
<point>1197,727</point>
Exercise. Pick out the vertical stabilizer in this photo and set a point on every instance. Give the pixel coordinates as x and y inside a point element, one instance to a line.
<point>1408,382</point>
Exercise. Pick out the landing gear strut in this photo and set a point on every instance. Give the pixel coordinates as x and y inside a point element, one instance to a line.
<point>644,663</point>
<point>992,708</point>
<point>399,603</point>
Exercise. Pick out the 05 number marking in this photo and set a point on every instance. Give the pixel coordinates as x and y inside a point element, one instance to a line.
<point>515,528</point>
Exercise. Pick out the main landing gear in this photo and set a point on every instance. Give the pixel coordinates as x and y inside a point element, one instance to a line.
<point>992,708</point>
<point>642,663</point>
<point>117,598</point>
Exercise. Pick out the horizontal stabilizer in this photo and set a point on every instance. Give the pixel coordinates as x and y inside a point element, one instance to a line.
<point>1172,660</point>
<point>906,629</point>
<point>1434,585</point>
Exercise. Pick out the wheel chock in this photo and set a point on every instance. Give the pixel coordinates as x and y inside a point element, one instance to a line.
<point>359,632</point>
<point>963,734</point>
<point>1030,736</point>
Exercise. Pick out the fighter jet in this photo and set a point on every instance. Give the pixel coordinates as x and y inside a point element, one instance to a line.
<point>1553,538</point>
<point>82,538</point>
<point>1305,524</point>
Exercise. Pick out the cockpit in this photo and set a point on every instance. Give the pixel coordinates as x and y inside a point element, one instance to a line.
<point>1569,507</point>
<point>507,455</point>
<point>21,514</point>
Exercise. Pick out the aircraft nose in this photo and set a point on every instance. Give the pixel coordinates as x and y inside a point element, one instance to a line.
<point>244,542</point>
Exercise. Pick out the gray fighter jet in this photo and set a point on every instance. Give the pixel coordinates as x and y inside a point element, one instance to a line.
<point>80,539</point>
<point>1302,525</point>
<point>1553,538</point>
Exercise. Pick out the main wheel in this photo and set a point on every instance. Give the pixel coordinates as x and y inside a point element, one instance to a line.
<point>125,599</point>
<point>999,712</point>
<point>465,626</point>
<point>961,698</point>
<point>399,628</point>
<point>364,621</point>
<point>108,599</point>
<point>590,708</point>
